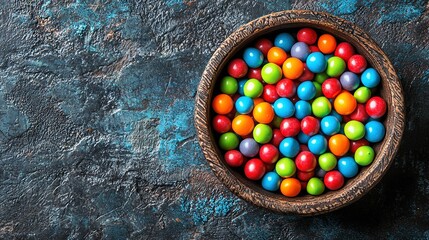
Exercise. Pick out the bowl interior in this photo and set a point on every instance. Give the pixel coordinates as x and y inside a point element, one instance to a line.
<point>389,89</point>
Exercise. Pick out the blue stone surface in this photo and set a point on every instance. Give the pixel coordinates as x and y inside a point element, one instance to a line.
<point>96,130</point>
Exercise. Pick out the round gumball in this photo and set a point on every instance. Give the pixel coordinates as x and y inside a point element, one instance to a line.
<point>257,101</point>
<point>321,107</point>
<point>276,121</point>
<point>242,125</point>
<point>254,169</point>
<point>286,88</point>
<point>364,155</point>
<point>305,161</point>
<point>264,45</point>
<point>356,63</point>
<point>290,127</point>
<point>303,138</point>
<point>333,180</point>
<point>336,66</point>
<point>263,113</point>
<point>331,87</point>
<point>293,68</point>
<point>374,131</point>
<point>268,153</point>
<point>316,62</point>
<point>253,88</point>
<point>354,130</point>
<point>284,41</point>
<point>234,158</point>
<point>330,125</point>
<point>244,105</point>
<point>241,84</point>
<point>344,50</point>
<point>306,90</point>
<point>254,73</point>
<point>289,147</point>
<point>300,50</point>
<point>271,73</point>
<point>349,81</point>
<point>315,186</point>
<point>304,176</point>
<point>277,137</point>
<point>354,145</point>
<point>359,114</point>
<point>317,144</point>
<point>327,161</point>
<point>307,35</point>
<point>362,94</point>
<point>221,124</point>
<point>249,147</point>
<point>228,141</point>
<point>262,133</point>
<point>327,43</point>
<point>345,103</point>
<point>339,144</point>
<point>370,78</point>
<point>228,85</point>
<point>270,93</point>
<point>310,125</point>
<point>284,108</point>
<point>276,55</point>
<point>306,75</point>
<point>319,172</point>
<point>348,167</point>
<point>302,109</point>
<point>271,181</point>
<point>290,187</point>
<point>237,68</point>
<point>285,167</point>
<point>222,104</point>
<point>253,57</point>
<point>376,107</point>
<point>320,77</point>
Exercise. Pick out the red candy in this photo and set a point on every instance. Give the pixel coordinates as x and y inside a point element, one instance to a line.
<point>354,145</point>
<point>344,50</point>
<point>306,75</point>
<point>270,93</point>
<point>277,137</point>
<point>237,68</point>
<point>331,87</point>
<point>304,176</point>
<point>221,124</point>
<point>356,63</point>
<point>290,127</point>
<point>264,45</point>
<point>307,35</point>
<point>254,169</point>
<point>269,153</point>
<point>286,88</point>
<point>333,180</point>
<point>234,158</point>
<point>254,73</point>
<point>305,161</point>
<point>310,125</point>
<point>376,107</point>
<point>359,114</point>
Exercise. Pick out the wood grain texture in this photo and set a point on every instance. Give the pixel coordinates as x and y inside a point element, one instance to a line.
<point>391,91</point>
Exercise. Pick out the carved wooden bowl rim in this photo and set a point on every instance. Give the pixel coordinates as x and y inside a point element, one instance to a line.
<point>390,90</point>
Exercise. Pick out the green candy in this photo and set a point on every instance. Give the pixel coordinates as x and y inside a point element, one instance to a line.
<point>321,107</point>
<point>271,73</point>
<point>262,133</point>
<point>228,141</point>
<point>253,88</point>
<point>228,85</point>
<point>362,94</point>
<point>321,77</point>
<point>336,66</point>
<point>318,89</point>
<point>315,186</point>
<point>364,155</point>
<point>285,167</point>
<point>354,130</point>
<point>277,121</point>
<point>327,161</point>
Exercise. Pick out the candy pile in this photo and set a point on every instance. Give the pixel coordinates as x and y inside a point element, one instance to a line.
<point>299,114</point>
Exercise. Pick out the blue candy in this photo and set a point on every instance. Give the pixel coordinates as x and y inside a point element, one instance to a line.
<point>241,86</point>
<point>253,57</point>
<point>271,181</point>
<point>303,138</point>
<point>348,167</point>
<point>284,108</point>
<point>244,105</point>
<point>289,147</point>
<point>317,144</point>
<point>374,131</point>
<point>330,125</point>
<point>302,109</point>
<point>316,62</point>
<point>284,41</point>
<point>370,78</point>
<point>306,90</point>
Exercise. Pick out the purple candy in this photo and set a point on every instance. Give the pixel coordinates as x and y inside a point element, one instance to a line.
<point>319,172</point>
<point>300,50</point>
<point>249,147</point>
<point>349,81</point>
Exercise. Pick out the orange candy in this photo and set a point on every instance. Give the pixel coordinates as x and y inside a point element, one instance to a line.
<point>345,103</point>
<point>276,55</point>
<point>257,101</point>
<point>293,68</point>
<point>263,113</point>
<point>222,104</point>
<point>339,144</point>
<point>327,43</point>
<point>242,125</point>
<point>290,187</point>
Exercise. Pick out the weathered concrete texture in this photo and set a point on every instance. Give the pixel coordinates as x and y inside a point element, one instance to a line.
<point>96,131</point>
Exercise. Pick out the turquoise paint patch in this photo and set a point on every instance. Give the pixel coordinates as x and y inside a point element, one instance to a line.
<point>340,7</point>
<point>276,5</point>
<point>402,13</point>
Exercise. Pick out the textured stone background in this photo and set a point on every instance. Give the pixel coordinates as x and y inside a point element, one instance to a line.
<point>96,129</point>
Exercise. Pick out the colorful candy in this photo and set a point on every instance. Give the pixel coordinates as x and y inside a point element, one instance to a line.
<point>304,110</point>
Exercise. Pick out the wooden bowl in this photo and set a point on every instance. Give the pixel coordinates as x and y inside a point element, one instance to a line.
<point>390,90</point>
